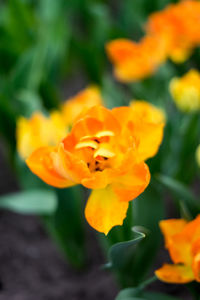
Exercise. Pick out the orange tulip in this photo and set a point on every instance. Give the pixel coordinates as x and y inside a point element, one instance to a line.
<point>182,240</point>
<point>133,61</point>
<point>104,152</point>
<point>170,33</point>
<point>176,24</point>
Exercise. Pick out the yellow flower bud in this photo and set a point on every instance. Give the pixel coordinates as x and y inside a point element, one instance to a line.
<point>185,91</point>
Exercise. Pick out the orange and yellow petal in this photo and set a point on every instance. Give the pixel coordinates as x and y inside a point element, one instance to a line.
<point>145,123</point>
<point>98,179</point>
<point>130,185</point>
<point>171,227</point>
<point>31,134</point>
<point>192,230</point>
<point>143,110</point>
<point>121,50</point>
<point>104,115</point>
<point>195,251</point>
<point>196,266</point>
<point>104,209</point>
<point>85,99</point>
<point>41,164</point>
<point>69,165</point>
<point>175,274</point>
<point>149,138</point>
<point>176,243</point>
<point>39,131</point>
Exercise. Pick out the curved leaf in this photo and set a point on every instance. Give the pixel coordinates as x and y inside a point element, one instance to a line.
<point>119,253</point>
<point>30,202</point>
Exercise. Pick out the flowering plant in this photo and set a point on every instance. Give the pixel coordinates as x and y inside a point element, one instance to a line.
<point>131,136</point>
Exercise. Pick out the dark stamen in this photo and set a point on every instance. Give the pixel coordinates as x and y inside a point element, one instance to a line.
<point>98,169</point>
<point>105,158</point>
<point>97,141</point>
<point>88,164</point>
<point>96,162</point>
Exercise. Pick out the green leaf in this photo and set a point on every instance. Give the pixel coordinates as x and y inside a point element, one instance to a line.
<point>181,191</point>
<point>28,102</point>
<point>119,253</point>
<point>30,202</point>
<point>129,294</point>
<point>138,294</point>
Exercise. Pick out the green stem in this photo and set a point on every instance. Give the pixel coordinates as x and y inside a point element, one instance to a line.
<point>147,282</point>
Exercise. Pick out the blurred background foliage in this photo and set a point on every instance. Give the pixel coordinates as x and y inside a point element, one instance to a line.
<point>46,44</point>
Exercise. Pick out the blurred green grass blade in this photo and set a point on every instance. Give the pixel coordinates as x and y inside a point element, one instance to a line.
<point>119,254</point>
<point>132,18</point>
<point>19,21</point>
<point>28,102</point>
<point>112,93</point>
<point>182,192</point>
<point>7,121</point>
<point>30,202</point>
<point>66,225</point>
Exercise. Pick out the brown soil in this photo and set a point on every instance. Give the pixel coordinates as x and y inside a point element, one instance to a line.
<point>32,268</point>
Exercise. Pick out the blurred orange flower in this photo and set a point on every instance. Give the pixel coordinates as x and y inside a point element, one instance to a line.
<point>85,99</point>
<point>185,91</point>
<point>134,61</point>
<point>41,130</point>
<point>104,152</point>
<point>169,33</point>
<point>182,240</point>
<point>176,25</point>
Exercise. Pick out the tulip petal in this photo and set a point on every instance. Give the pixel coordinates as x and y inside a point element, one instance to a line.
<point>104,210</point>
<point>175,273</point>
<point>179,244</point>
<point>69,165</point>
<point>175,242</point>
<point>41,164</point>
<point>196,266</point>
<point>133,183</point>
<point>121,50</point>
<point>150,137</point>
<point>171,227</point>
<point>146,123</point>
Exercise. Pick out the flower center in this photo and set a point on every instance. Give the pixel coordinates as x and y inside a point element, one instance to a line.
<point>98,150</point>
